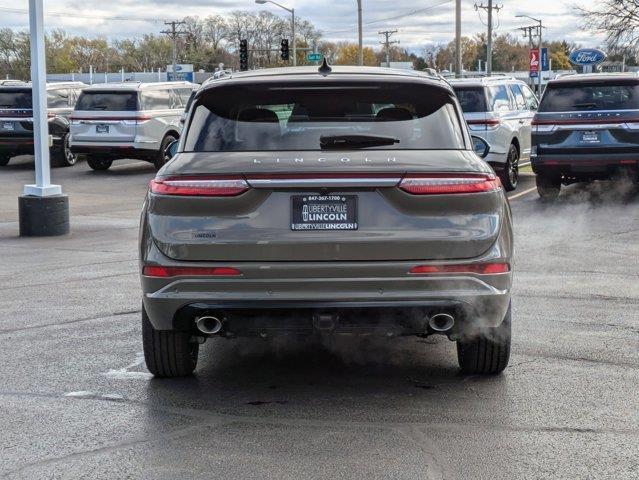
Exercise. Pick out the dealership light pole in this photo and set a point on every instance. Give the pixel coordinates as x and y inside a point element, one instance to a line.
<point>540,28</point>
<point>43,210</point>
<point>292,12</point>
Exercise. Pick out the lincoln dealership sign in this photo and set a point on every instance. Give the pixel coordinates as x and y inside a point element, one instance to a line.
<point>587,56</point>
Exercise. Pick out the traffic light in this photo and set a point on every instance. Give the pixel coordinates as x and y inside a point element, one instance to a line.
<point>284,50</point>
<point>244,55</point>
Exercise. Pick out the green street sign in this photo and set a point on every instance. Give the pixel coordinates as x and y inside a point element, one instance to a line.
<point>314,57</point>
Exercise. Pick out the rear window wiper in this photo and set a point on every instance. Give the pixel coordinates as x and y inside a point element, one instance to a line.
<point>336,142</point>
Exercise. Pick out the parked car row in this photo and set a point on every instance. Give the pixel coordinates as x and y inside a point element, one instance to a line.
<point>101,122</point>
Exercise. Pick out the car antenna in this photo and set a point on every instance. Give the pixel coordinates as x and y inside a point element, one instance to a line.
<point>325,68</point>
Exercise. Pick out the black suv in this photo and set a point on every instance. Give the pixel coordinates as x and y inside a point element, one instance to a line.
<point>586,129</point>
<point>16,120</point>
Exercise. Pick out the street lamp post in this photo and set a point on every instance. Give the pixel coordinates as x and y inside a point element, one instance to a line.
<point>292,12</point>
<point>540,73</point>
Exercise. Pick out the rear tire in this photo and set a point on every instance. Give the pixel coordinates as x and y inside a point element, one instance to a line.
<point>509,176</point>
<point>548,187</point>
<point>488,352</point>
<point>168,353</point>
<point>64,157</point>
<point>4,160</point>
<point>163,154</point>
<point>99,164</point>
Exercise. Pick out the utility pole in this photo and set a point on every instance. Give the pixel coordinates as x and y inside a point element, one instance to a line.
<point>528,33</point>
<point>360,37</point>
<point>174,34</point>
<point>387,43</point>
<point>539,27</point>
<point>458,49</point>
<point>489,41</point>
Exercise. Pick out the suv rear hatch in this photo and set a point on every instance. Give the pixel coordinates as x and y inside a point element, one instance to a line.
<point>345,171</point>
<point>474,104</point>
<point>16,112</point>
<point>106,116</point>
<point>588,118</point>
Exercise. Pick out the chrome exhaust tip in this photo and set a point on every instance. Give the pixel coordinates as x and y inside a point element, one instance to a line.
<point>209,325</point>
<point>442,322</point>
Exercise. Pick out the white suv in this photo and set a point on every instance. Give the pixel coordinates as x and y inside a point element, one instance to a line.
<point>128,120</point>
<point>499,110</point>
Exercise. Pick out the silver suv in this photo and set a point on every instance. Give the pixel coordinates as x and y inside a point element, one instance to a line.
<point>128,120</point>
<point>499,110</point>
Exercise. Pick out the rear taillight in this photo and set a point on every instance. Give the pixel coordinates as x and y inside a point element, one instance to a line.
<point>478,268</point>
<point>449,184</point>
<point>167,272</point>
<point>136,121</point>
<point>488,124</point>
<point>200,186</point>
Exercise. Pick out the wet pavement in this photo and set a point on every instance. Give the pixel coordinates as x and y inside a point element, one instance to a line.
<point>77,402</point>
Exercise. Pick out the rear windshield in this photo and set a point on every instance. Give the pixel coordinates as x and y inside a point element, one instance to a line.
<point>108,101</point>
<point>472,100</point>
<point>16,98</point>
<point>313,117</point>
<point>590,96</point>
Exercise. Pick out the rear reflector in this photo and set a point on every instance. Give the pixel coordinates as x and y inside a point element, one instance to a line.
<point>167,272</point>
<point>449,184</point>
<point>200,186</point>
<point>480,268</point>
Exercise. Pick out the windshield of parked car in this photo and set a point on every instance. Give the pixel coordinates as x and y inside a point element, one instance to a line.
<point>15,98</point>
<point>581,96</point>
<point>108,101</point>
<point>282,117</point>
<point>472,99</point>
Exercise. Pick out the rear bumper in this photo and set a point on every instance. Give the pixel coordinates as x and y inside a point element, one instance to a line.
<point>285,296</point>
<point>23,144</point>
<point>136,150</point>
<point>585,165</point>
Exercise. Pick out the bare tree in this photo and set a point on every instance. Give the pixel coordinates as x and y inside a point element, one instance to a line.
<point>215,30</point>
<point>618,19</point>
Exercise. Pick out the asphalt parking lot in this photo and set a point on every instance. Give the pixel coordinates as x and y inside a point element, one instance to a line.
<point>77,402</point>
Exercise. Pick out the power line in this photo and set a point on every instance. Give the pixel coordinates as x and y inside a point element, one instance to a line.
<point>396,17</point>
<point>21,11</point>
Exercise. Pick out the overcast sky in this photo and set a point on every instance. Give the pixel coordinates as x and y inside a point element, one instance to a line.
<point>419,22</point>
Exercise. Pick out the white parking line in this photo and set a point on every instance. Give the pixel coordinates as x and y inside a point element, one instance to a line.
<point>133,164</point>
<point>525,192</point>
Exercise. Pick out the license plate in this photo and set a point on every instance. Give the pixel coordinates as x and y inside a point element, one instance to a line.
<point>590,137</point>
<point>324,212</point>
<point>101,129</point>
<point>8,126</point>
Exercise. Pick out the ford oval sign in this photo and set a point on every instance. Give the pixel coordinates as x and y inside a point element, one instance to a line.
<point>587,56</point>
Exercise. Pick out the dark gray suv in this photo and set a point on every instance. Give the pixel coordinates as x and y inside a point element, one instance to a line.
<point>344,201</point>
<point>586,129</point>
<point>16,120</point>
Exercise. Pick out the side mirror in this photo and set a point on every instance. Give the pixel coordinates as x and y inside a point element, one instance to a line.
<point>172,148</point>
<point>480,146</point>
